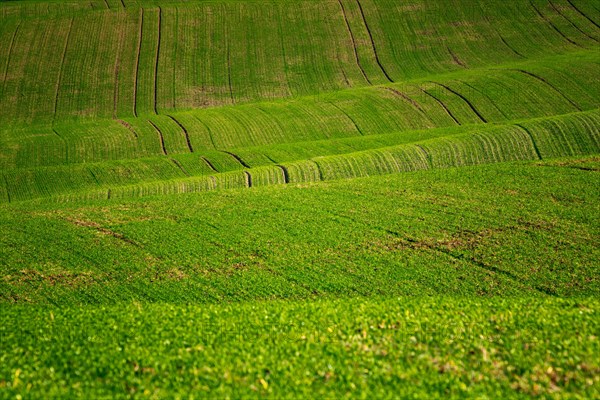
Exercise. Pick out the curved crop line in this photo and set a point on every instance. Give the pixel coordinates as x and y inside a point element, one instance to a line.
<point>510,47</point>
<point>248,179</point>
<point>128,126</point>
<point>178,164</point>
<point>426,153</point>
<point>185,131</point>
<point>156,62</point>
<point>60,73</point>
<point>318,169</point>
<point>210,135</point>
<point>571,22</point>
<point>405,97</point>
<point>107,6</point>
<point>442,105</point>
<point>228,45</point>
<point>137,62</point>
<point>210,165</point>
<point>10,50</point>
<point>539,78</point>
<point>349,117</point>
<point>464,99</point>
<point>284,171</point>
<point>238,158</point>
<point>457,60</point>
<point>362,13</point>
<point>583,14</point>
<point>484,95</point>
<point>161,138</point>
<point>537,151</point>
<point>362,71</point>
<point>65,143</point>
<point>6,186</point>
<point>123,4</point>
<point>553,26</point>
<point>117,68</point>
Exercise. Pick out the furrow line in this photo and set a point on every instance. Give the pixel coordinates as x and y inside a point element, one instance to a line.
<point>156,61</point>
<point>210,165</point>
<point>486,96</point>
<point>441,103</point>
<point>571,22</point>
<point>128,126</point>
<point>349,117</point>
<point>583,14</point>
<point>60,73</point>
<point>457,60</point>
<point>405,97</point>
<point>137,62</point>
<point>238,158</point>
<point>116,70</point>
<point>185,131</point>
<point>510,47</point>
<point>123,4</point>
<point>528,132</point>
<point>539,78</point>
<point>464,99</point>
<point>107,6</point>
<point>284,171</point>
<point>553,26</point>
<point>160,136</point>
<point>362,13</point>
<point>362,71</point>
<point>248,179</point>
<point>65,143</point>
<point>228,46</point>
<point>210,135</point>
<point>10,50</point>
<point>178,164</point>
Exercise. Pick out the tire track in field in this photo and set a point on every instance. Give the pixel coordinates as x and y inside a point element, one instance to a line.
<point>455,58</point>
<point>210,134</point>
<point>362,71</point>
<point>116,70</point>
<point>178,165</point>
<point>137,63</point>
<point>510,47</point>
<point>284,170</point>
<point>185,131</point>
<point>464,99</point>
<point>409,99</point>
<point>583,14</point>
<point>441,103</point>
<point>128,126</point>
<point>207,162</point>
<point>237,158</point>
<point>248,179</point>
<point>528,132</point>
<point>159,34</point>
<point>107,6</point>
<point>60,72</point>
<point>10,50</point>
<point>484,95</point>
<point>160,136</point>
<point>571,22</point>
<point>362,13</point>
<point>553,26</point>
<point>349,118</point>
<point>228,51</point>
<point>539,78</point>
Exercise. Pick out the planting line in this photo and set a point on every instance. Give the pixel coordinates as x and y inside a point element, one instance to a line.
<point>210,135</point>
<point>553,26</point>
<point>539,78</point>
<point>510,47</point>
<point>117,68</point>
<point>228,63</point>
<point>583,14</point>
<point>237,158</point>
<point>65,143</point>
<point>137,62</point>
<point>282,44</point>
<point>410,100</point>
<point>373,42</point>
<point>442,105</point>
<point>457,60</point>
<point>60,73</point>
<point>156,62</point>
<point>10,49</point>
<point>464,99</point>
<point>187,136</point>
<point>160,136</point>
<point>485,95</point>
<point>571,22</point>
<point>210,165</point>
<point>349,117</point>
<point>426,153</point>
<point>178,164</point>
<point>353,43</point>
<point>537,151</point>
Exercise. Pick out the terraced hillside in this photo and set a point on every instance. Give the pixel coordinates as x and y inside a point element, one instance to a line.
<point>279,158</point>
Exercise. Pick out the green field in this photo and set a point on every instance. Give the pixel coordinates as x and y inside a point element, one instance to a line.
<point>299,198</point>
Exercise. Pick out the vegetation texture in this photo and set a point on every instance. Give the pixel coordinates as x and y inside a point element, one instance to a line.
<point>299,198</point>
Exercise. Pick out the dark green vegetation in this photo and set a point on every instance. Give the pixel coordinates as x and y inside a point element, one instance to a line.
<point>176,212</point>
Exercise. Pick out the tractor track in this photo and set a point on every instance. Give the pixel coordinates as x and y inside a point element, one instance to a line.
<point>157,60</point>
<point>128,126</point>
<point>349,118</point>
<point>528,132</point>
<point>539,78</point>
<point>554,26</point>
<point>353,43</point>
<point>61,69</point>
<point>8,57</point>
<point>583,14</point>
<point>137,63</point>
<point>464,99</point>
<point>185,131</point>
<point>571,22</point>
<point>238,158</point>
<point>441,103</point>
<point>160,136</point>
<point>362,13</point>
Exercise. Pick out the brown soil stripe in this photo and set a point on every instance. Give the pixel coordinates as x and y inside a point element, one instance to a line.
<point>510,47</point>
<point>237,158</point>
<point>455,58</point>
<point>210,165</point>
<point>537,151</point>
<point>552,25</point>
<point>362,13</point>
<point>362,71</point>
<point>101,229</point>
<point>286,175</point>
<point>441,103</point>
<point>485,95</point>
<point>60,73</point>
<point>178,164</point>
<point>156,62</point>
<point>128,126</point>
<point>349,117</point>
<point>248,179</point>
<point>539,78</point>
<point>583,14</point>
<point>571,22</point>
<point>10,50</point>
<point>137,62</point>
<point>187,136</point>
<point>160,136</point>
<point>464,99</point>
